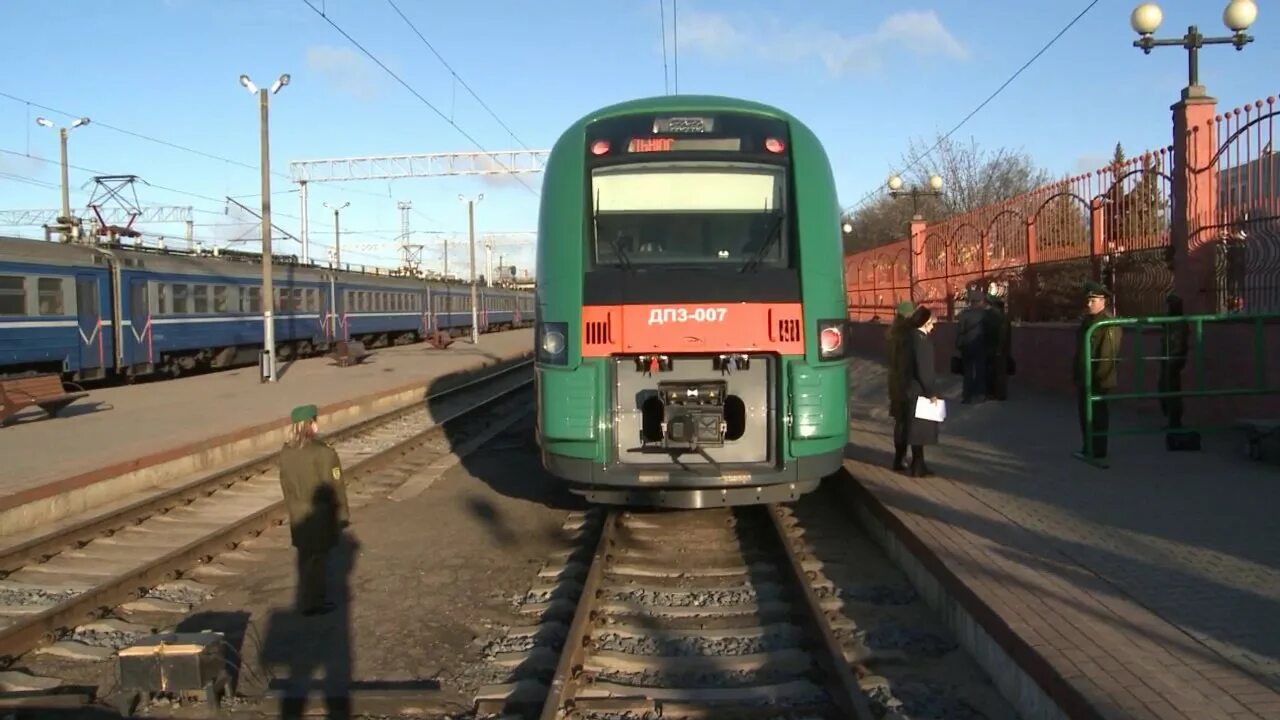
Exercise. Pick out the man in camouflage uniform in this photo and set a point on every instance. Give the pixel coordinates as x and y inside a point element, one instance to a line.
<point>897,400</point>
<point>316,497</point>
<point>1105,370</point>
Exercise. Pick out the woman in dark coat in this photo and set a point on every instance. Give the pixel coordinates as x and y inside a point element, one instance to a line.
<point>919,379</point>
<point>899,328</point>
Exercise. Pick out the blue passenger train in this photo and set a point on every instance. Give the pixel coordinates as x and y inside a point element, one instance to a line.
<point>93,312</point>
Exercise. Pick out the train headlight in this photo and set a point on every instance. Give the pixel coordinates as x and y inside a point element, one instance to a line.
<point>552,343</point>
<point>833,341</point>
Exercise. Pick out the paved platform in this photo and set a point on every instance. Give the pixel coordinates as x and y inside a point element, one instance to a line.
<point>119,424</point>
<point>1147,590</point>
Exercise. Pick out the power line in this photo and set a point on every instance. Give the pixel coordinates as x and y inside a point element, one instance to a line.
<point>157,141</point>
<point>150,184</point>
<point>984,103</point>
<point>455,73</point>
<point>675,47</point>
<point>415,93</point>
<point>666,80</point>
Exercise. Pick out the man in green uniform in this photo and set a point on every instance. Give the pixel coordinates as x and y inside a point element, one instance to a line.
<point>897,400</point>
<point>998,334</point>
<point>316,497</point>
<point>1105,370</point>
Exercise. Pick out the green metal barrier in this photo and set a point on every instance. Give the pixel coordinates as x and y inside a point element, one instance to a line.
<point>1195,357</point>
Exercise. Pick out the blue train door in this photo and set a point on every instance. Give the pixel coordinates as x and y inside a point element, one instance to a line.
<point>139,335</point>
<point>89,318</point>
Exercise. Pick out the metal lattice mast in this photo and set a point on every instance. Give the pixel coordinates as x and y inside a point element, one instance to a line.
<point>410,254</point>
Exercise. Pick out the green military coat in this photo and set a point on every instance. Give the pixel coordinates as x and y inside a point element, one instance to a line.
<point>314,493</point>
<point>1105,353</point>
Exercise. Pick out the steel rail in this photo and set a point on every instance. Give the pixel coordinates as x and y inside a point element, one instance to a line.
<point>72,536</point>
<point>43,627</point>
<point>561,699</point>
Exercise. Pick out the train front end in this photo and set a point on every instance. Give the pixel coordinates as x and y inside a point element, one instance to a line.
<point>691,334</point>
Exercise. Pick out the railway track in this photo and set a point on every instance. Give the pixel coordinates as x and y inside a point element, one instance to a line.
<point>78,573</point>
<point>754,612</point>
<point>705,613</point>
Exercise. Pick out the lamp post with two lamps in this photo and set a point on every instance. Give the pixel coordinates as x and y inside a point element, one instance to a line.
<point>1238,17</point>
<point>471,233</point>
<point>66,187</point>
<point>268,291</point>
<point>915,193</point>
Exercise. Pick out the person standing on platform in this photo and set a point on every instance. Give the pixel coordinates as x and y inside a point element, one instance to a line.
<point>316,497</point>
<point>972,346</point>
<point>1105,371</point>
<point>897,405</point>
<point>1176,346</point>
<point>919,380</point>
<point>998,330</point>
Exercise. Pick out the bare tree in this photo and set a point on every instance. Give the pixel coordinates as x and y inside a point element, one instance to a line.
<point>972,178</point>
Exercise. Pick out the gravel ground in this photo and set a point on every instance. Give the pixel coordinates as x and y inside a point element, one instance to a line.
<point>421,588</point>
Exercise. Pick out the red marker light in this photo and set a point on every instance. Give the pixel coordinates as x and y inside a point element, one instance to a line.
<point>830,340</point>
<point>774,145</point>
<point>600,147</point>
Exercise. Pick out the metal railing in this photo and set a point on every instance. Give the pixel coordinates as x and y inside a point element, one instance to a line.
<point>1194,325</point>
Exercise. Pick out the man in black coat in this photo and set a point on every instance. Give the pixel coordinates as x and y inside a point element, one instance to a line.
<point>971,343</point>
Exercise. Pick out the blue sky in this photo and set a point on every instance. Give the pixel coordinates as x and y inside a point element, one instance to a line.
<point>868,77</point>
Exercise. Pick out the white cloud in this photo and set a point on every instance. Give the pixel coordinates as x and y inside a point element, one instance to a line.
<point>918,33</point>
<point>1089,162</point>
<point>347,70</point>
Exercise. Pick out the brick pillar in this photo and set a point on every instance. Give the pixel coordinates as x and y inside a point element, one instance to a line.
<point>918,230</point>
<point>1195,198</point>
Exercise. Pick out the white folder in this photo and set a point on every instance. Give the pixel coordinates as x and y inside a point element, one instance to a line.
<point>927,409</point>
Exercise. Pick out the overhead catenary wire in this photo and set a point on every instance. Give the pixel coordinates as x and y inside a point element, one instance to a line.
<point>455,74</point>
<point>160,141</point>
<point>413,91</point>
<point>871,193</point>
<point>666,79</point>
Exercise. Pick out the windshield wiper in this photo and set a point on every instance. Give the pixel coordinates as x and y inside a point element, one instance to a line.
<point>624,262</point>
<point>775,232</point>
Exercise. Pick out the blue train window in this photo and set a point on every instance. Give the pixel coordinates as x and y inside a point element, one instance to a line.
<point>13,295</point>
<point>49,291</point>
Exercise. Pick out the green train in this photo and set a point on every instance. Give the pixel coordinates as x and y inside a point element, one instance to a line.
<point>691,334</point>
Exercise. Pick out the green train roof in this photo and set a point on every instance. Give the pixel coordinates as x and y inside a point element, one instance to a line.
<point>685,103</point>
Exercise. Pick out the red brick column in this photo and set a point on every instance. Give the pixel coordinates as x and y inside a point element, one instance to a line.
<point>1195,198</point>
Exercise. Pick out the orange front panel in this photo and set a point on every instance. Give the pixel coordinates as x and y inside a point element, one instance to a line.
<point>694,328</point>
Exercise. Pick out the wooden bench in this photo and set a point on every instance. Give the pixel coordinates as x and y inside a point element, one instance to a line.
<point>349,352</point>
<point>44,391</point>
<point>1257,431</point>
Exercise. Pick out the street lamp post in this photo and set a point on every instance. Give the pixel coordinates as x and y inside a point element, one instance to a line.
<point>66,185</point>
<point>337,243</point>
<point>1238,16</point>
<point>471,233</point>
<point>268,291</point>
<point>915,193</point>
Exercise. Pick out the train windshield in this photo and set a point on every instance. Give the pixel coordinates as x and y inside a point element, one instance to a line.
<point>702,214</point>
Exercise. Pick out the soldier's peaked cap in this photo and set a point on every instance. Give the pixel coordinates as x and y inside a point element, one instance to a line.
<point>303,413</point>
<point>1093,289</point>
<point>905,308</point>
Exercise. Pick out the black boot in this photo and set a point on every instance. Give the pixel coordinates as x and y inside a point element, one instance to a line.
<point>918,468</point>
<point>899,446</point>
